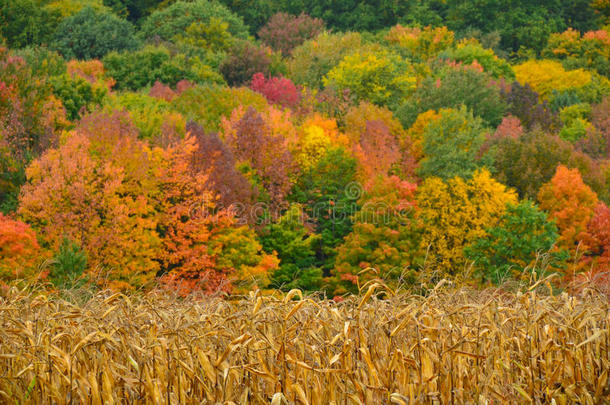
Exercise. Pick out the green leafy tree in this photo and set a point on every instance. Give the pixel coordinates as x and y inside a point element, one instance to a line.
<point>455,86</point>
<point>76,94</point>
<point>255,13</point>
<point>470,52</point>
<point>42,61</point>
<point>295,247</point>
<point>520,23</point>
<point>530,160</point>
<point>329,194</point>
<point>207,105</point>
<point>91,34</point>
<point>356,15</point>
<point>451,145</point>
<point>132,9</point>
<point>142,68</point>
<point>174,20</point>
<point>312,60</point>
<point>24,22</point>
<point>213,36</point>
<point>153,117</point>
<point>521,236</point>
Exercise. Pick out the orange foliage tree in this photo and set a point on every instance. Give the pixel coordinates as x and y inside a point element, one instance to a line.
<point>19,250</point>
<point>139,212</point>
<point>571,204</point>
<point>399,149</point>
<point>203,250</point>
<point>377,152</point>
<point>95,188</point>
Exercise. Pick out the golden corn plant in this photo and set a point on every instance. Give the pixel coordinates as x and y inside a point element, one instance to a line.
<point>452,346</point>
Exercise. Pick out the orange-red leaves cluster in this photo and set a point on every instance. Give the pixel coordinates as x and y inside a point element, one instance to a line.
<point>19,250</point>
<point>571,204</point>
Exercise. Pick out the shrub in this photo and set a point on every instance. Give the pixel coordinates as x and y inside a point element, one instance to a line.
<point>68,265</point>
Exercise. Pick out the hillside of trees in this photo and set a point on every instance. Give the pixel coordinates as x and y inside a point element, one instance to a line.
<point>223,145</point>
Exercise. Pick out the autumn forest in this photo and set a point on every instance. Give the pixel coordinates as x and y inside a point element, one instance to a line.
<point>220,146</point>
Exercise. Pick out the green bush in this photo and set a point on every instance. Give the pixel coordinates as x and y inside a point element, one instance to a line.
<point>68,265</point>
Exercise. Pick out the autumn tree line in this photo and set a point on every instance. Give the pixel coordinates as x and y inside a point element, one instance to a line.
<point>218,146</point>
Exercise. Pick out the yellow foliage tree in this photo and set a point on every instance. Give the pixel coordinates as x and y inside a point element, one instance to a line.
<point>456,213</point>
<point>316,135</point>
<point>313,144</point>
<point>422,44</point>
<point>416,132</point>
<point>544,76</point>
<point>329,126</point>
<point>382,78</point>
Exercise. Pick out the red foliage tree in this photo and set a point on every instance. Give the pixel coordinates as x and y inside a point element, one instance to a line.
<point>278,90</point>
<point>597,237</point>
<point>213,156</point>
<point>510,127</point>
<point>261,144</point>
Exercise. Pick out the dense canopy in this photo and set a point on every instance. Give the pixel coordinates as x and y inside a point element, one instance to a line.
<point>217,146</point>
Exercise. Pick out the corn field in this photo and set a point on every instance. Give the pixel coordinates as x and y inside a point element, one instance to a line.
<point>453,346</point>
